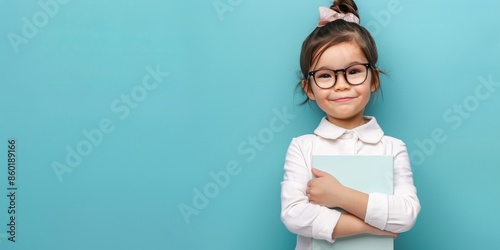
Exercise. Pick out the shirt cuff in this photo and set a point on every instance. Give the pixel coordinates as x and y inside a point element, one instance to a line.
<point>377,210</point>
<point>324,224</point>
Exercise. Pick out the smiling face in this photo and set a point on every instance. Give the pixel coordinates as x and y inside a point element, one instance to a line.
<point>343,104</point>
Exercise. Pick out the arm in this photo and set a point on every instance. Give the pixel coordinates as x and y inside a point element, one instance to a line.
<point>395,213</point>
<point>327,191</point>
<point>349,225</point>
<point>298,215</point>
<point>398,212</point>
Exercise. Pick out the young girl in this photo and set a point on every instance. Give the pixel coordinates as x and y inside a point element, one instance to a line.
<point>339,69</point>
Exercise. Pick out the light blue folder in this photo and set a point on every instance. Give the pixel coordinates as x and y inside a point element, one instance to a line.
<point>366,174</point>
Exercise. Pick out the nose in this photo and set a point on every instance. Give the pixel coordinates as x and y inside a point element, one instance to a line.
<point>341,81</point>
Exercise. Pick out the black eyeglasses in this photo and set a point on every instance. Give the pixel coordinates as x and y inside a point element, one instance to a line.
<point>354,75</point>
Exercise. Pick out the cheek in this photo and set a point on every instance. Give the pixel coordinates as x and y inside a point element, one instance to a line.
<point>364,90</point>
<point>368,90</point>
<point>320,93</point>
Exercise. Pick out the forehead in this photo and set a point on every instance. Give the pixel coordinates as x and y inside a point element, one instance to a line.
<point>340,55</point>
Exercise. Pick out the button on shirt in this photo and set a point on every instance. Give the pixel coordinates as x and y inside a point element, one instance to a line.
<point>396,213</point>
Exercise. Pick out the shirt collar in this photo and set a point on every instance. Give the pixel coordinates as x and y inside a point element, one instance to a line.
<point>369,132</point>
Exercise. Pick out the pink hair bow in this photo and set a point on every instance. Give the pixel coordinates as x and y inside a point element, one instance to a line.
<point>327,15</point>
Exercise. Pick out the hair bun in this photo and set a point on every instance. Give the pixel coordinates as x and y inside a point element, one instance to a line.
<point>345,6</point>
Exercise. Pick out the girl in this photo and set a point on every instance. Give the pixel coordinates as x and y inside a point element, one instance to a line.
<point>339,69</point>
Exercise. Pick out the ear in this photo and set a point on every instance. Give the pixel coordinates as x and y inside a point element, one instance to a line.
<point>307,89</point>
<point>375,81</point>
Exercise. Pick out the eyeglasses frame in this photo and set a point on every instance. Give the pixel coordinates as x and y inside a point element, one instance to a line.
<point>335,71</point>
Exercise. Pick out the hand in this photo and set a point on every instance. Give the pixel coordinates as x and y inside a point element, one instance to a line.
<point>324,190</point>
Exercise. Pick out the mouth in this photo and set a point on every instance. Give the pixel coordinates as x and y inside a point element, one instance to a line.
<point>343,99</point>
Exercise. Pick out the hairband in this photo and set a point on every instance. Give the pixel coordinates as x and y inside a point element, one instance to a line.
<point>327,15</point>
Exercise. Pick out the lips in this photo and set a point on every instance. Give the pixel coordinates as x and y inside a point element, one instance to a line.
<point>343,99</point>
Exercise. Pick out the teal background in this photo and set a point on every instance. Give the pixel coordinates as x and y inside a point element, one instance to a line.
<point>229,73</point>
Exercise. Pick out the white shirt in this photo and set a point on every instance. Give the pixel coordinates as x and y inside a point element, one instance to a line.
<point>396,213</point>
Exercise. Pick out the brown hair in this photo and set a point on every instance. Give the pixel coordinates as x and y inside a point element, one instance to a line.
<point>333,33</point>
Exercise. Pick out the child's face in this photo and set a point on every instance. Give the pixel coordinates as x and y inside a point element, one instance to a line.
<point>343,104</point>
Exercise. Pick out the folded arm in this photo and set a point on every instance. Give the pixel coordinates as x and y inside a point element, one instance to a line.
<point>396,213</point>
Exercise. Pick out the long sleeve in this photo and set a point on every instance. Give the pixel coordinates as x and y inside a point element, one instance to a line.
<point>298,215</point>
<point>396,213</point>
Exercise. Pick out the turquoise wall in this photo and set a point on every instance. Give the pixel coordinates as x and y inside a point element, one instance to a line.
<point>164,124</point>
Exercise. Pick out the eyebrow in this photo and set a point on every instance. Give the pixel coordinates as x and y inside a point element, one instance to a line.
<point>348,65</point>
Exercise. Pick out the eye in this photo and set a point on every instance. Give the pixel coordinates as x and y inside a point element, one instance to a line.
<point>353,71</point>
<point>324,74</point>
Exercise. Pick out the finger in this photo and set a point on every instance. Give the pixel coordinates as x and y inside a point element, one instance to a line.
<point>318,173</point>
<point>310,200</point>
<point>309,192</point>
<point>313,182</point>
